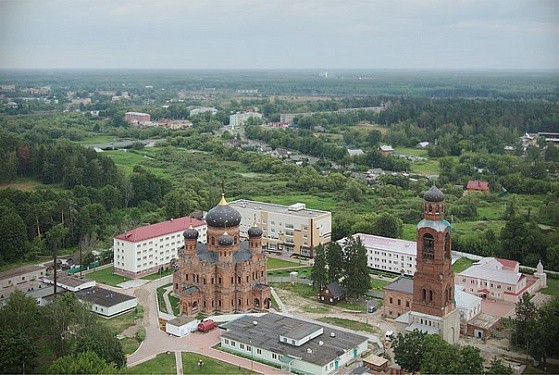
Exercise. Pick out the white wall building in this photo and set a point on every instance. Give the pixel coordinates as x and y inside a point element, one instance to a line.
<point>181,326</point>
<point>295,345</point>
<point>239,118</point>
<point>107,302</point>
<point>26,279</point>
<point>388,254</point>
<point>144,250</point>
<point>200,110</point>
<point>293,229</point>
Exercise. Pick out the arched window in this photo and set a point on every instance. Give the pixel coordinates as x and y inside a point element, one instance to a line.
<point>428,247</point>
<point>431,296</point>
<point>423,294</point>
<point>213,240</point>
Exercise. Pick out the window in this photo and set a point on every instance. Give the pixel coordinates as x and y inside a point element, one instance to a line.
<point>242,346</point>
<point>390,299</point>
<point>274,356</point>
<point>258,351</point>
<point>428,247</point>
<point>408,304</point>
<point>399,302</point>
<point>249,348</point>
<point>226,341</point>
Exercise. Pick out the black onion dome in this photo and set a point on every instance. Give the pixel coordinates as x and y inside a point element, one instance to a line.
<point>190,234</point>
<point>255,231</point>
<point>223,215</point>
<point>225,240</point>
<point>434,195</point>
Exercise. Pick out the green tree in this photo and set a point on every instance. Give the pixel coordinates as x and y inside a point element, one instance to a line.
<point>14,240</point>
<point>81,363</point>
<point>335,261</point>
<point>99,338</point>
<point>319,275</point>
<point>496,367</point>
<point>20,329</point>
<point>525,314</point>
<point>409,350</point>
<point>55,236</point>
<point>387,225</point>
<point>356,274</point>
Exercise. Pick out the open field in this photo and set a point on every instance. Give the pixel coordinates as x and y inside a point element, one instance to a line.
<point>106,276</point>
<point>274,263</point>
<point>162,364</point>
<point>119,323</point>
<point>378,284</point>
<point>27,184</point>
<point>211,366</point>
<point>326,203</point>
<point>93,140</point>
<point>301,271</point>
<point>127,160</point>
<point>421,152</point>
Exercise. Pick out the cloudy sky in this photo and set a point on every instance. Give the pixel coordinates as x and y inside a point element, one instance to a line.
<point>279,34</point>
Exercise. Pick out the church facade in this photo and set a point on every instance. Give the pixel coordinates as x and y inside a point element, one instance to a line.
<point>225,274</point>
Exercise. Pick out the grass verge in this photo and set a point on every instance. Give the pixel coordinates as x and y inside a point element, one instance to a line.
<point>210,365</point>
<point>349,324</point>
<point>162,364</point>
<point>274,263</point>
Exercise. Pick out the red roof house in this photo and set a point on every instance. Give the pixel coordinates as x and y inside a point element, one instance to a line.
<point>479,186</point>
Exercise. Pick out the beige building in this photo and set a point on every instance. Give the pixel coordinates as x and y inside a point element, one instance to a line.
<point>292,229</point>
<point>25,278</point>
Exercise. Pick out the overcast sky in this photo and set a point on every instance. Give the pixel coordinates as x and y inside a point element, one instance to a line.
<point>278,34</point>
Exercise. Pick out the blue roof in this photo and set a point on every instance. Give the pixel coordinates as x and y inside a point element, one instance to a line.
<point>439,225</point>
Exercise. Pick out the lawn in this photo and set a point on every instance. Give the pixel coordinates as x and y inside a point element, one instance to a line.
<point>210,366</point>
<point>162,364</point>
<point>160,301</point>
<point>274,263</point>
<point>349,324</point>
<point>106,276</point>
<point>552,287</point>
<point>119,323</point>
<point>98,139</point>
<point>302,271</point>
<point>129,345</point>
<point>462,264</point>
<point>157,275</point>
<point>316,309</point>
<point>378,284</point>
<point>174,301</point>
<point>25,184</point>
<point>427,167</point>
<point>411,151</point>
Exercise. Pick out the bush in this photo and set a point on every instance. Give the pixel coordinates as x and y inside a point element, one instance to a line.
<point>141,334</point>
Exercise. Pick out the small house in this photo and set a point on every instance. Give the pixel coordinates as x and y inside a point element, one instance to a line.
<point>386,150</point>
<point>332,294</point>
<point>181,326</point>
<point>477,186</point>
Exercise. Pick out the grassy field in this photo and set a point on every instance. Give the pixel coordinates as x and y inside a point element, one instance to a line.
<point>462,264</point>
<point>210,366</point>
<point>349,324</point>
<point>129,345</point>
<point>157,276</point>
<point>98,139</point>
<point>162,364</point>
<point>106,276</point>
<point>302,271</point>
<point>552,287</point>
<point>428,167</point>
<point>274,263</point>
<point>421,152</point>
<point>160,301</point>
<point>378,284</point>
<point>127,160</point>
<point>119,323</point>
<point>316,309</point>
<point>25,184</point>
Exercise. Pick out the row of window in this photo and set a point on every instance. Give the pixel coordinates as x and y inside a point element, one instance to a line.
<point>390,255</point>
<point>484,283</point>
<point>400,302</point>
<point>248,348</point>
<point>196,278</point>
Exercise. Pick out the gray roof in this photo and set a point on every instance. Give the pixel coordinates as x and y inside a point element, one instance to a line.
<point>103,297</point>
<point>402,285</point>
<point>239,256</point>
<point>336,290</point>
<point>181,320</point>
<point>276,208</point>
<point>20,271</point>
<point>265,334</point>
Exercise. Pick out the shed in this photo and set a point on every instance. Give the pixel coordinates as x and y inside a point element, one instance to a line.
<point>181,326</point>
<point>332,293</point>
<point>375,363</point>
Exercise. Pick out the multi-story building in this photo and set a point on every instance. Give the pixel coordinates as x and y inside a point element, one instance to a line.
<point>500,279</point>
<point>145,250</point>
<point>200,110</point>
<point>293,229</point>
<point>238,119</point>
<point>388,254</point>
<point>136,117</point>
<point>25,278</point>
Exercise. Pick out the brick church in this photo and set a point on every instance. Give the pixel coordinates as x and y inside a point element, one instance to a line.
<point>226,274</point>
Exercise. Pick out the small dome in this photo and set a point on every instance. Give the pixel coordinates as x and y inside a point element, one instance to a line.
<point>190,234</point>
<point>434,195</point>
<point>255,231</point>
<point>223,216</point>
<point>225,240</point>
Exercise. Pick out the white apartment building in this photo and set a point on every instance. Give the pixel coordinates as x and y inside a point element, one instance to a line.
<point>388,254</point>
<point>293,229</point>
<point>239,118</point>
<point>144,250</point>
<point>200,110</point>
